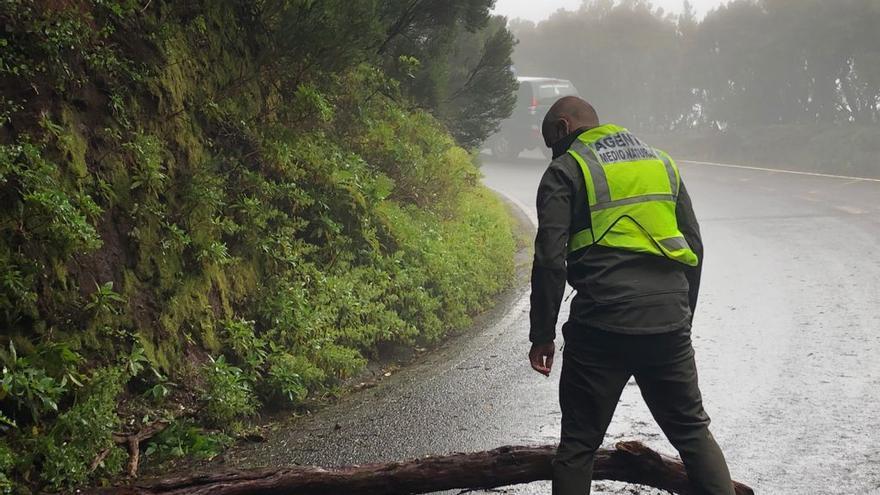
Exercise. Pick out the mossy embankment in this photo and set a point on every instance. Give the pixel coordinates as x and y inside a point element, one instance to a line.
<point>209,208</point>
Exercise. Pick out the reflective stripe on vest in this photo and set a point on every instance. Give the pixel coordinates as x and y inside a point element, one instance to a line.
<point>631,198</point>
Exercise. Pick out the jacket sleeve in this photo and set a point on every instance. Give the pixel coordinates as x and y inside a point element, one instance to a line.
<point>687,224</point>
<point>551,244</point>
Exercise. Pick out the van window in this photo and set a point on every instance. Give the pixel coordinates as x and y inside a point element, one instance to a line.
<point>552,91</point>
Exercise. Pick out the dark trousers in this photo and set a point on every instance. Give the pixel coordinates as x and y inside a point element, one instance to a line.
<point>596,366</point>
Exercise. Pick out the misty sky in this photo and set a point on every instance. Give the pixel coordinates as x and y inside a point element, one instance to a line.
<point>539,10</point>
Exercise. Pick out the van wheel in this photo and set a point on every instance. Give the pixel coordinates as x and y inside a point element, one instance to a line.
<point>502,148</point>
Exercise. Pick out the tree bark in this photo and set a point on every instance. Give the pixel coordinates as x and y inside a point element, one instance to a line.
<point>631,462</point>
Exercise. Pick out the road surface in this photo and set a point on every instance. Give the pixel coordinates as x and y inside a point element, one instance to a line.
<point>787,337</point>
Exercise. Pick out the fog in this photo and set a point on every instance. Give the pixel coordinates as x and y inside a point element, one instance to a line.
<point>771,109</point>
<point>539,11</point>
<point>782,83</point>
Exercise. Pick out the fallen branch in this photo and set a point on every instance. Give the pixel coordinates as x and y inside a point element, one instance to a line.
<point>102,455</point>
<point>630,462</point>
<point>133,442</point>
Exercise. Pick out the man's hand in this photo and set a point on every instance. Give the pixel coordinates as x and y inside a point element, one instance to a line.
<point>541,357</point>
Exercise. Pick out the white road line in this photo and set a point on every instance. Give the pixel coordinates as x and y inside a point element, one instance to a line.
<point>850,209</point>
<point>782,171</point>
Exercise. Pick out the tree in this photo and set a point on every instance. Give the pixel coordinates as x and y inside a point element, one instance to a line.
<point>481,87</point>
<point>454,59</point>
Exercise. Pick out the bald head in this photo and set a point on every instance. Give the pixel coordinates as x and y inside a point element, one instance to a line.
<point>568,114</point>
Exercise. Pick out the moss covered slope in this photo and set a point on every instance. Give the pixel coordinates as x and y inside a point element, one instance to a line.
<point>219,205</point>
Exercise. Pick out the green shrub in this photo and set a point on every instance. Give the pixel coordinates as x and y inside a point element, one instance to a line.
<point>185,438</point>
<point>457,264</point>
<point>228,395</point>
<point>104,301</point>
<point>7,463</point>
<point>49,212</point>
<point>249,349</point>
<point>291,377</point>
<point>338,361</point>
<point>65,451</point>
<point>28,387</point>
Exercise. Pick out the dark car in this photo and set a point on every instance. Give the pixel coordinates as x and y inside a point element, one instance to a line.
<point>522,130</point>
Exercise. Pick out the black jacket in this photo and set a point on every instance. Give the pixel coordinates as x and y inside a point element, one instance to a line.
<point>617,290</point>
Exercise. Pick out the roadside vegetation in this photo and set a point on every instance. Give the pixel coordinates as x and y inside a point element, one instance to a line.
<point>214,208</point>
<point>785,83</point>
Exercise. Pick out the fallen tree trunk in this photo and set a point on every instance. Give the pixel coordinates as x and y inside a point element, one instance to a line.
<point>631,462</point>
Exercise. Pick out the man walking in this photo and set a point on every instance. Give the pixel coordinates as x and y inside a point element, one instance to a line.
<point>616,221</point>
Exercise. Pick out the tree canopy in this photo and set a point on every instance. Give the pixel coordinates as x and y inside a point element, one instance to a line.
<point>453,58</point>
<point>749,62</point>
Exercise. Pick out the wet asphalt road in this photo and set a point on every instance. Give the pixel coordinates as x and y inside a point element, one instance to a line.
<point>787,337</point>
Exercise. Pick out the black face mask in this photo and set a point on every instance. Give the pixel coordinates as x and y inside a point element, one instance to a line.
<point>561,147</point>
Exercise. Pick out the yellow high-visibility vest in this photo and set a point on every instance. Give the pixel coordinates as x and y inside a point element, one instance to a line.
<point>632,190</point>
